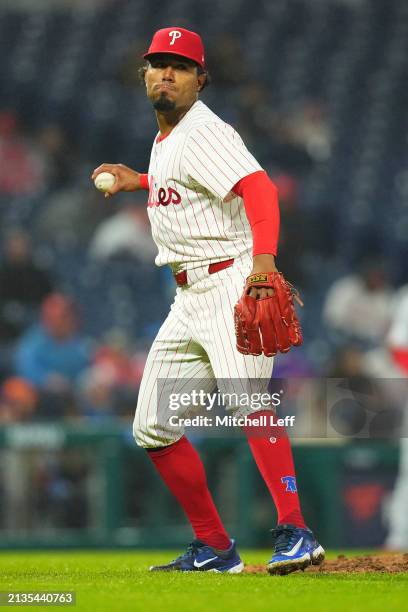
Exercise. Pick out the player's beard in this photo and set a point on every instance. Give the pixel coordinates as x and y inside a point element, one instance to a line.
<point>163,104</point>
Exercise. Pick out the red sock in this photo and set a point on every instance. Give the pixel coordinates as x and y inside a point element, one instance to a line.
<point>271,449</point>
<point>181,468</point>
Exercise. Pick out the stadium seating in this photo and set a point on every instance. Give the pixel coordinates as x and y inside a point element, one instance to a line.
<point>66,65</point>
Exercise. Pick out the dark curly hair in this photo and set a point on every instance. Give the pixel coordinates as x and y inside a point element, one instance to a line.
<point>142,71</point>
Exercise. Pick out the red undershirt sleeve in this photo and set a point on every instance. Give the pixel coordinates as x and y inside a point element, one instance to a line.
<point>144,181</point>
<point>262,208</point>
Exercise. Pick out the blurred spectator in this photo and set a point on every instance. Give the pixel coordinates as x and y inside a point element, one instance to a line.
<point>359,305</point>
<point>53,354</point>
<point>126,232</point>
<point>70,215</point>
<point>285,152</point>
<point>114,359</point>
<point>297,142</point>
<point>347,362</point>
<point>59,155</point>
<point>97,398</point>
<point>21,167</point>
<point>18,400</point>
<point>310,130</point>
<point>379,363</point>
<point>109,388</point>
<point>23,285</point>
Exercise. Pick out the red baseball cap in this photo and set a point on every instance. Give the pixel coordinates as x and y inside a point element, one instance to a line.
<point>178,41</point>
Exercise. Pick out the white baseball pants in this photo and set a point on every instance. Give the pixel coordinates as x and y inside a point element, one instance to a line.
<point>195,348</point>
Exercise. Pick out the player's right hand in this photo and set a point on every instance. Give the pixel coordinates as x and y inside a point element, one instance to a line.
<point>126,178</point>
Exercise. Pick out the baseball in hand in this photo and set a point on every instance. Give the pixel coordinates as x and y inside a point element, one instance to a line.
<point>104,181</point>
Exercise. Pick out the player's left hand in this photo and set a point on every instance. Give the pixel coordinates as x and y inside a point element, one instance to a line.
<point>265,317</point>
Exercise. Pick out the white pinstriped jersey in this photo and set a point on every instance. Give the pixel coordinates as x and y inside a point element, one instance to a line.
<point>194,216</point>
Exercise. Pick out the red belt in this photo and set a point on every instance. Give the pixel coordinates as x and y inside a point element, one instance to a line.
<point>181,277</point>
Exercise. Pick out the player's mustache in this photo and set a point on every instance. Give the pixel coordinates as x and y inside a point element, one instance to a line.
<point>166,85</point>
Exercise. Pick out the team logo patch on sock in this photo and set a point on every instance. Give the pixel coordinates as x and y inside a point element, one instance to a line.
<point>290,482</point>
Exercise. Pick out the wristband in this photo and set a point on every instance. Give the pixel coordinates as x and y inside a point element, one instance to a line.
<point>144,181</point>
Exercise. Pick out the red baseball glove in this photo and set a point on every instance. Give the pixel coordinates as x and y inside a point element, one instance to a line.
<point>267,325</point>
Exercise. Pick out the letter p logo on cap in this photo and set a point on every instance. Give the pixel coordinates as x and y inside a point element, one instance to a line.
<point>174,35</point>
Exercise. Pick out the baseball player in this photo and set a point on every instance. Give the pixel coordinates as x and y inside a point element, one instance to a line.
<point>215,220</point>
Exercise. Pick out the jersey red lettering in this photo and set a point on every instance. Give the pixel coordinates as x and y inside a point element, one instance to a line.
<point>164,197</point>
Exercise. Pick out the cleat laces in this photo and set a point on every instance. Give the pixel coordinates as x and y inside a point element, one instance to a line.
<point>191,551</point>
<point>284,538</point>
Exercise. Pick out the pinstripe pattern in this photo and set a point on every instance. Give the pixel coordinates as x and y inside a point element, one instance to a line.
<point>196,346</point>
<point>202,159</point>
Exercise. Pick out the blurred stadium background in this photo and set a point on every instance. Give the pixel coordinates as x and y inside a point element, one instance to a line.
<point>318,90</point>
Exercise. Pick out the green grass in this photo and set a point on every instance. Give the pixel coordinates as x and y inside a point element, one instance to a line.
<point>119,581</point>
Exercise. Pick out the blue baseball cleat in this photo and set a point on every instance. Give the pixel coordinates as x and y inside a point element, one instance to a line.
<point>202,558</point>
<point>295,549</point>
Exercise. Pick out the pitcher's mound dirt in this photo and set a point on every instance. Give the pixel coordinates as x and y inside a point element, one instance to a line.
<point>382,562</point>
